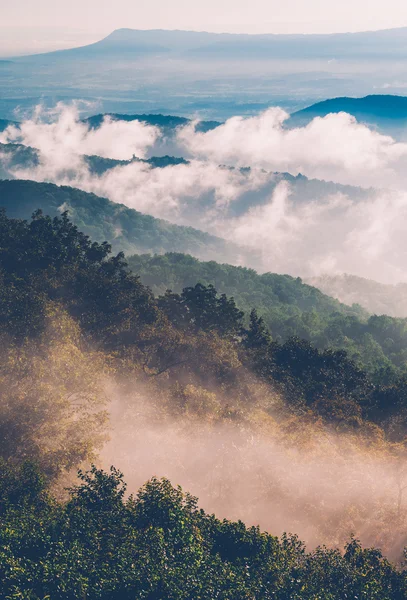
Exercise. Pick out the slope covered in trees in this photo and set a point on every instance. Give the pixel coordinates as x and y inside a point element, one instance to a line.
<point>125,228</point>
<point>75,323</point>
<point>289,308</point>
<point>100,545</point>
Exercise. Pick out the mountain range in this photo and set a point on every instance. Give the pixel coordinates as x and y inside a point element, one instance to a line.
<point>390,43</point>
<point>210,75</point>
<point>17,157</point>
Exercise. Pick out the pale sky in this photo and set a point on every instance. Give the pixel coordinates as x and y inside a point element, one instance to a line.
<point>37,25</point>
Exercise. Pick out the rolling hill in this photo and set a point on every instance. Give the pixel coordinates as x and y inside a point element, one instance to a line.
<point>289,308</point>
<point>167,123</point>
<point>126,229</point>
<point>175,271</point>
<point>387,113</point>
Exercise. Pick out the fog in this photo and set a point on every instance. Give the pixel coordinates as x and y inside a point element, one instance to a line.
<point>338,230</point>
<point>285,474</point>
<point>335,147</point>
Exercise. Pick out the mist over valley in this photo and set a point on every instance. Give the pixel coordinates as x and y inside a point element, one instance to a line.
<point>203,316</point>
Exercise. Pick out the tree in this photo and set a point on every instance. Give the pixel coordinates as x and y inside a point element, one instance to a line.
<point>257,336</point>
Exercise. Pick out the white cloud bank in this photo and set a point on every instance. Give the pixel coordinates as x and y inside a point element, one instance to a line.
<point>335,233</point>
<point>61,136</point>
<point>335,147</point>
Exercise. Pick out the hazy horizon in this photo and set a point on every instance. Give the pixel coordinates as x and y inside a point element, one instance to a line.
<point>39,40</point>
<point>26,31</point>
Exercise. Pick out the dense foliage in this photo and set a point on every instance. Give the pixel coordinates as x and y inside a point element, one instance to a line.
<point>102,545</point>
<point>48,262</point>
<point>125,228</point>
<point>72,316</point>
<point>290,308</point>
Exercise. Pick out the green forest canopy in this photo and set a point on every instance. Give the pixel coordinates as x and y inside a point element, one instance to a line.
<point>69,311</point>
<point>289,308</point>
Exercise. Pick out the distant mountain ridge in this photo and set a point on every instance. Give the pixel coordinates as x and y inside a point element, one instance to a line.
<point>386,112</point>
<point>303,189</point>
<point>208,74</point>
<point>382,43</point>
<point>4,123</point>
<point>18,156</point>
<point>167,123</point>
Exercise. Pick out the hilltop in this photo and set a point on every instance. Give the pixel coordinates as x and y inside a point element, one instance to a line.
<point>388,113</point>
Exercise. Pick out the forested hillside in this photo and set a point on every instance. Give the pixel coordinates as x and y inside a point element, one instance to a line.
<point>160,545</point>
<point>81,338</point>
<point>289,308</point>
<point>125,228</point>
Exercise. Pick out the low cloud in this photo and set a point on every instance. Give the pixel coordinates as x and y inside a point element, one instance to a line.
<point>318,483</point>
<point>335,147</point>
<point>61,136</point>
<point>338,231</point>
<point>333,235</point>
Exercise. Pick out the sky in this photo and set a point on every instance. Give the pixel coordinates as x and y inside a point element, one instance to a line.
<point>38,25</point>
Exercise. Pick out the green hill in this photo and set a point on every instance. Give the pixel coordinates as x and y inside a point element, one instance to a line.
<point>125,228</point>
<point>261,430</point>
<point>289,308</point>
